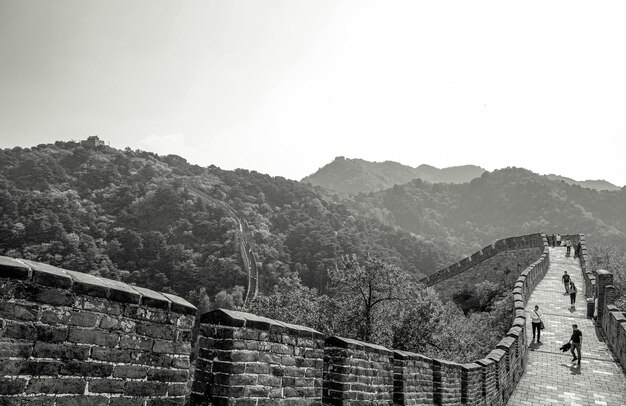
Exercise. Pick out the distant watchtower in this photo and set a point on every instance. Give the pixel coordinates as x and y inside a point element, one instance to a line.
<point>93,141</point>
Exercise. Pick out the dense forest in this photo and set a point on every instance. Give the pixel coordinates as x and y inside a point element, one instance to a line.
<point>138,217</point>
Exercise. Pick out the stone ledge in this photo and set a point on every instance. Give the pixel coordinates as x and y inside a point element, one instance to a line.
<point>341,342</point>
<point>234,318</point>
<point>90,285</point>
<point>410,356</point>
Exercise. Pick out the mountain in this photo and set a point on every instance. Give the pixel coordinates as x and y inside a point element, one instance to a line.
<point>167,225</point>
<point>599,184</point>
<point>358,175</point>
<point>506,202</point>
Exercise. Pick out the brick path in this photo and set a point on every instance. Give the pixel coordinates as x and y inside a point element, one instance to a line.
<point>551,378</point>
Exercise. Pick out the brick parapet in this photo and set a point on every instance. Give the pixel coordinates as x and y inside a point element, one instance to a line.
<point>256,360</point>
<point>357,373</point>
<point>76,338</point>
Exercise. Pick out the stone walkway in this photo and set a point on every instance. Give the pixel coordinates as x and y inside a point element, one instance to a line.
<point>551,378</point>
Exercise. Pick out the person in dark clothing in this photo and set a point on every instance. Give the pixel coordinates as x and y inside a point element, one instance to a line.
<point>535,317</point>
<point>577,250</point>
<point>576,341</point>
<point>566,281</point>
<point>572,293</point>
<point>553,240</point>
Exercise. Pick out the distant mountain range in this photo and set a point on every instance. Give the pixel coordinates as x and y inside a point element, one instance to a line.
<point>358,175</point>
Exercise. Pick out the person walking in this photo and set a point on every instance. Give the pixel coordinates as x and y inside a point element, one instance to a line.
<point>553,240</point>
<point>536,317</point>
<point>558,240</point>
<point>577,250</point>
<point>566,281</point>
<point>568,245</point>
<point>572,293</point>
<point>576,341</point>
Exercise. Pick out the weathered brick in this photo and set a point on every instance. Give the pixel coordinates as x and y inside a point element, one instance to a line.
<point>136,343</point>
<point>167,375</point>
<point>38,401</point>
<point>83,319</point>
<point>17,311</point>
<point>86,369</point>
<point>130,371</point>
<point>21,331</point>
<point>155,330</point>
<point>29,367</point>
<point>43,294</point>
<point>177,389</point>
<point>12,386</point>
<point>168,402</point>
<point>62,351</point>
<point>142,388</point>
<point>51,334</point>
<point>127,401</point>
<point>171,347</point>
<point>56,385</point>
<point>107,386</point>
<point>15,349</point>
<point>82,401</point>
<point>55,316</point>
<point>111,354</point>
<point>11,268</point>
<point>77,335</point>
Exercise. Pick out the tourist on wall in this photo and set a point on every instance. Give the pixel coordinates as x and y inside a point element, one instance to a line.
<point>553,240</point>
<point>576,341</point>
<point>568,245</point>
<point>537,322</point>
<point>558,240</point>
<point>572,293</point>
<point>566,281</point>
<point>577,250</point>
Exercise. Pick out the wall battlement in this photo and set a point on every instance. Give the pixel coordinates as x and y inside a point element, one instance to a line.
<point>76,339</point>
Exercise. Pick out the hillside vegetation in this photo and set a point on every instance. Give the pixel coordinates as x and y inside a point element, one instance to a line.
<point>139,217</point>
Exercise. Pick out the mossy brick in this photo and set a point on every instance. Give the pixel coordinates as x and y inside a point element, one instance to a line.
<point>49,275</point>
<point>14,269</point>
<point>153,299</point>
<point>106,385</point>
<point>60,351</point>
<point>143,388</point>
<point>86,369</point>
<point>90,285</point>
<point>136,343</point>
<point>84,336</point>
<point>56,386</point>
<point>44,294</point>
<point>12,386</point>
<point>101,305</point>
<point>83,319</point>
<point>130,371</point>
<point>142,312</point>
<point>167,375</point>
<point>155,330</point>
<point>83,400</point>
<point>171,347</point>
<point>18,311</point>
<point>55,316</point>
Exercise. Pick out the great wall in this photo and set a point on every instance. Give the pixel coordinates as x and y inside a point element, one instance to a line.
<point>70,338</point>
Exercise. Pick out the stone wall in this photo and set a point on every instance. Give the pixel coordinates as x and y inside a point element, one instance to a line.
<point>357,373</point>
<point>610,320</point>
<point>245,359</point>
<point>75,339</point>
<point>528,248</point>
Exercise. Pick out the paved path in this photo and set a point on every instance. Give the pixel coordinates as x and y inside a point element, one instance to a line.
<point>551,378</point>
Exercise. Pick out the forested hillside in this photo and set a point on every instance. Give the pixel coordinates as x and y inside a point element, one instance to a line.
<point>138,217</point>
<point>502,203</point>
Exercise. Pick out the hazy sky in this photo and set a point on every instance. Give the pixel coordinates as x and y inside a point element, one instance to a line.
<point>282,87</point>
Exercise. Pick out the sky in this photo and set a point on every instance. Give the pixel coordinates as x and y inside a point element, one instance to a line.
<point>284,87</point>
